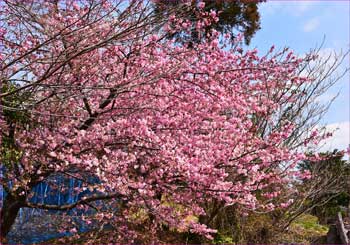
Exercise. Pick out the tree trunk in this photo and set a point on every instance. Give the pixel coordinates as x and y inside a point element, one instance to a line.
<point>8,214</point>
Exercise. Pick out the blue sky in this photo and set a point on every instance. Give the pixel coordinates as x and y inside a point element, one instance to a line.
<point>302,25</point>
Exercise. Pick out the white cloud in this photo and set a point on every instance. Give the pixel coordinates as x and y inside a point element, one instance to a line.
<point>311,25</point>
<point>340,139</point>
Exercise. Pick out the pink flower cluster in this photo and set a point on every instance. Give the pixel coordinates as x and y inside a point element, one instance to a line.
<point>154,119</point>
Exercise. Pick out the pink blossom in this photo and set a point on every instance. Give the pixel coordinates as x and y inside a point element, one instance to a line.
<point>151,117</point>
<point>201,5</point>
<point>73,230</point>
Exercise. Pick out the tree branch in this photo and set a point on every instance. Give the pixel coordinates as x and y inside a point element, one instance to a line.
<point>82,201</point>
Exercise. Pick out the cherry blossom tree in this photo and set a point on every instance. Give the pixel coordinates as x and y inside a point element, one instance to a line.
<point>165,127</point>
<point>305,112</point>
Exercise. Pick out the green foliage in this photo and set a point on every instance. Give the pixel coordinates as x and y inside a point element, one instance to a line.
<point>331,208</point>
<point>332,164</point>
<point>334,174</point>
<point>222,239</point>
<point>12,105</point>
<point>305,230</point>
<point>310,224</point>
<point>240,16</point>
<point>14,116</point>
<point>9,155</point>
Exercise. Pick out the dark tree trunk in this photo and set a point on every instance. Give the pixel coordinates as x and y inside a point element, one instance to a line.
<point>8,214</point>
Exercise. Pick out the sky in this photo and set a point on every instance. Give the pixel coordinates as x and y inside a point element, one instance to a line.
<point>302,25</point>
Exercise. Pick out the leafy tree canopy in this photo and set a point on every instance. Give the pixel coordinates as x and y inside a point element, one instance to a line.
<point>240,16</point>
